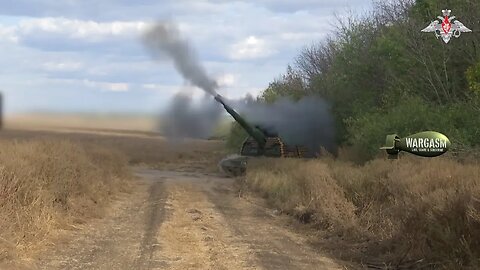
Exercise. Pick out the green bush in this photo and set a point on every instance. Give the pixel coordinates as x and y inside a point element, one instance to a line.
<point>460,122</point>
<point>382,75</point>
<point>473,77</point>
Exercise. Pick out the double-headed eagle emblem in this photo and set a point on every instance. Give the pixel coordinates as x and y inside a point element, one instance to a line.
<point>446,27</point>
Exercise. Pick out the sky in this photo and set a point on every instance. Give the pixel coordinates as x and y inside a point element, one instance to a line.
<point>87,55</point>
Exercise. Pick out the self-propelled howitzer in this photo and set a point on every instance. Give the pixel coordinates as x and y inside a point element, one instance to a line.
<point>258,143</point>
<point>254,132</point>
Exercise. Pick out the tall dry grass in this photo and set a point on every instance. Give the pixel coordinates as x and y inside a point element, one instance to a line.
<point>141,150</point>
<point>49,184</point>
<point>402,211</point>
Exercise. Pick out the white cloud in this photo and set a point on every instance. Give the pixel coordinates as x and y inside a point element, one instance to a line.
<point>170,89</point>
<point>107,86</point>
<point>251,48</point>
<point>117,87</point>
<point>91,48</point>
<point>151,86</point>
<point>8,33</point>
<point>79,29</point>
<point>62,66</point>
<point>226,80</point>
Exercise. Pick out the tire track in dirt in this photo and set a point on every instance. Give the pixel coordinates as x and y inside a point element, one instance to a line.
<point>195,236</point>
<point>178,220</point>
<point>124,239</point>
<point>154,217</point>
<point>275,246</point>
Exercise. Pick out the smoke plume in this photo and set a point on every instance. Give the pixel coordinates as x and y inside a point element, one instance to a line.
<point>164,39</point>
<point>306,122</point>
<point>186,119</point>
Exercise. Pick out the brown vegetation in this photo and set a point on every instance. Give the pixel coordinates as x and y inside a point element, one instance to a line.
<point>54,179</point>
<point>50,184</point>
<point>77,121</point>
<point>149,150</point>
<point>402,211</point>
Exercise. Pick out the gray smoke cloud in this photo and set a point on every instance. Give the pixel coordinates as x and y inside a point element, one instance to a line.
<point>164,39</point>
<point>305,122</point>
<point>186,119</point>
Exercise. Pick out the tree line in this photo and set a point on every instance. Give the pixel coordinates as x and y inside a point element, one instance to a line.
<point>382,75</point>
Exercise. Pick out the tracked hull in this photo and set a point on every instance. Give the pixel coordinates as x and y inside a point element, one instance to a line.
<point>259,143</point>
<point>233,165</point>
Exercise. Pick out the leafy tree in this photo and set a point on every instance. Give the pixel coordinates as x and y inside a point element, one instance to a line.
<point>382,74</point>
<point>290,84</point>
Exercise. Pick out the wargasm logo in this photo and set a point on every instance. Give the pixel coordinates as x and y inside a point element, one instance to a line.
<point>432,144</point>
<point>425,144</point>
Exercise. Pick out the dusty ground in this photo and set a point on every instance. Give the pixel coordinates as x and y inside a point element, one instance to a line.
<point>182,215</point>
<point>183,220</point>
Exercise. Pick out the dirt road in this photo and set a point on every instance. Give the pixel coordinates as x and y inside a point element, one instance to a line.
<point>179,220</point>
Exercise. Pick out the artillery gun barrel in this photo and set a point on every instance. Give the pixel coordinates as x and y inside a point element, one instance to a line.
<point>254,132</point>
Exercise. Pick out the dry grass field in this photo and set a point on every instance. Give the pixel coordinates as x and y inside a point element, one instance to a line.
<point>59,178</point>
<point>139,149</point>
<point>48,184</point>
<point>388,214</point>
<point>72,121</point>
<point>134,136</point>
<point>56,172</point>
<point>409,212</point>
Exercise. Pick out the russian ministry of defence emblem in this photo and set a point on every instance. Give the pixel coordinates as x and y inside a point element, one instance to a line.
<point>446,27</point>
